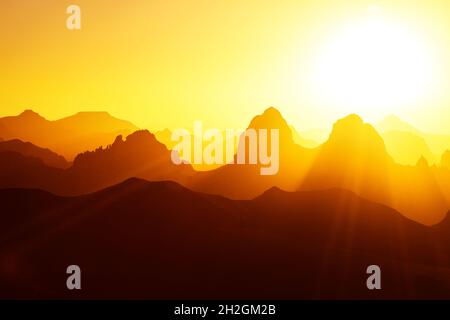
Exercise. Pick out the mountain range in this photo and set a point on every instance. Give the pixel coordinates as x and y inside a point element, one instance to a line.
<point>354,158</point>
<point>142,227</point>
<point>407,144</point>
<point>139,155</point>
<point>67,136</point>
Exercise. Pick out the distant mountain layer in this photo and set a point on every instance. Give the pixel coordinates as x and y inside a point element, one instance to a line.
<point>68,136</point>
<point>407,148</point>
<point>445,159</point>
<point>139,155</point>
<point>158,240</point>
<point>407,144</point>
<point>48,157</point>
<point>354,158</point>
<point>244,181</point>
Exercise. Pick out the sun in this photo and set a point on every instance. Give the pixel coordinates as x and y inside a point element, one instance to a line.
<point>374,66</point>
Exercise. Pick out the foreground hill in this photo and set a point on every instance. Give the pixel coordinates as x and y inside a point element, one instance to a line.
<point>158,240</point>
<point>68,136</point>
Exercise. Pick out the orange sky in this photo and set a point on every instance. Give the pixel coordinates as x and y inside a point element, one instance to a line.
<point>167,63</point>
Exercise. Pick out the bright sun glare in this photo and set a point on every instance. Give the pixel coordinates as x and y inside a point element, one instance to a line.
<point>374,65</point>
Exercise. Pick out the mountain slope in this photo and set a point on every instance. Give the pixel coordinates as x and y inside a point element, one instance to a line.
<point>437,143</point>
<point>355,158</point>
<point>394,123</point>
<point>17,170</point>
<point>94,122</point>
<point>445,159</point>
<point>28,149</point>
<point>139,155</point>
<point>159,240</point>
<point>406,148</point>
<point>244,181</point>
<point>68,136</point>
<point>302,141</point>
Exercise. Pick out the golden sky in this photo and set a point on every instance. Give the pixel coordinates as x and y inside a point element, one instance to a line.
<point>166,63</point>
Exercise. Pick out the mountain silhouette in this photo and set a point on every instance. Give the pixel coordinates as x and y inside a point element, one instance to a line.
<point>68,136</point>
<point>139,155</point>
<point>92,122</point>
<point>355,158</point>
<point>165,136</point>
<point>28,149</point>
<point>407,148</point>
<point>159,240</point>
<point>316,168</point>
<point>437,143</point>
<point>394,123</point>
<point>17,170</point>
<point>445,159</point>
<point>302,141</point>
<point>405,143</point>
<point>294,161</point>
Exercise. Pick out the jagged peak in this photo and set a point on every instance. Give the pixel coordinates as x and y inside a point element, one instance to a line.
<point>353,119</point>
<point>272,111</point>
<point>394,123</point>
<point>352,125</point>
<point>28,113</point>
<point>270,118</point>
<point>138,134</point>
<point>422,162</point>
<point>138,139</point>
<point>392,117</point>
<point>119,139</point>
<point>352,131</point>
<point>353,122</point>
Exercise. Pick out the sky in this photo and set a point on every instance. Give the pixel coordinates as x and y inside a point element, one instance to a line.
<point>167,63</point>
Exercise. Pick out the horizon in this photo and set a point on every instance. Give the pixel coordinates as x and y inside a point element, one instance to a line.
<point>406,144</point>
<point>301,127</point>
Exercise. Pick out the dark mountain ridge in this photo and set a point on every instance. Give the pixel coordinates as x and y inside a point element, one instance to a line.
<point>159,240</point>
